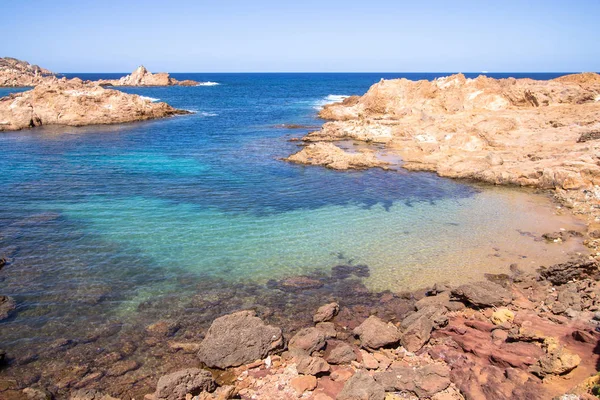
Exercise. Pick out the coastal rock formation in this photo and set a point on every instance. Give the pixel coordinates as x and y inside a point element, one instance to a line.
<point>75,103</point>
<point>176,385</point>
<point>142,77</point>
<point>17,73</point>
<point>237,339</point>
<point>331,156</point>
<point>524,132</point>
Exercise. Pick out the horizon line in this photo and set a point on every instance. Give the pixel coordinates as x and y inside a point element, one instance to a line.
<point>338,72</point>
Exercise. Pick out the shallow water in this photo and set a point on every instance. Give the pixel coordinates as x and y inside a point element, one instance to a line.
<point>190,217</point>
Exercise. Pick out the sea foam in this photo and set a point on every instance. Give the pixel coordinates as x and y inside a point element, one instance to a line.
<point>209,83</point>
<point>152,99</point>
<point>332,98</point>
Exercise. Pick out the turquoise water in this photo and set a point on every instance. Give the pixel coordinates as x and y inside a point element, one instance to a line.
<point>101,221</point>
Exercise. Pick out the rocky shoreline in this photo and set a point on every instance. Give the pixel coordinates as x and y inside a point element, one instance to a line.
<point>522,132</point>
<point>517,336</point>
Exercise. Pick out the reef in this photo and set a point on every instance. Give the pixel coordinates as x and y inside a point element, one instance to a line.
<point>524,132</point>
<point>76,103</point>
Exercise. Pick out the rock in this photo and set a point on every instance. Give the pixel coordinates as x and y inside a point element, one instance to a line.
<point>341,353</point>
<point>17,73</point>
<point>162,328</point>
<point>502,316</point>
<point>328,329</point>
<point>368,360</point>
<point>557,361</point>
<point>330,156</point>
<point>37,394</point>
<point>326,312</point>
<point>374,333</point>
<point>417,334</point>
<point>7,305</point>
<point>303,383</point>
<point>90,394</point>
<point>298,283</point>
<point>142,77</point>
<point>176,385</point>
<point>560,274</point>
<point>308,340</point>
<point>311,365</point>
<point>239,338</point>
<point>3,262</point>
<point>440,300</point>
<point>422,381</point>
<point>122,367</point>
<point>361,386</point>
<point>75,103</point>
<point>483,294</point>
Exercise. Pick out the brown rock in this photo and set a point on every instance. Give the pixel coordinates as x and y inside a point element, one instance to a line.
<point>361,386</point>
<point>422,381</point>
<point>368,360</point>
<point>237,339</point>
<point>374,333</point>
<point>328,329</point>
<point>17,73</point>
<point>122,367</point>
<point>7,305</point>
<point>339,352</point>
<point>326,312</point>
<point>142,77</point>
<point>303,383</point>
<point>37,394</point>
<point>483,294</point>
<point>308,340</point>
<point>311,365</point>
<point>176,385</point>
<point>90,394</point>
<point>331,156</point>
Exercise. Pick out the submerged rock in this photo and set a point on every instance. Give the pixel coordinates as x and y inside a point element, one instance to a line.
<point>7,305</point>
<point>239,338</point>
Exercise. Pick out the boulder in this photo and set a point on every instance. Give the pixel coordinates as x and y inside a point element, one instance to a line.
<point>417,334</point>
<point>374,333</point>
<point>422,381</point>
<point>177,385</point>
<point>326,312</point>
<point>340,353</point>
<point>560,274</point>
<point>361,386</point>
<point>308,340</point>
<point>239,338</point>
<point>483,294</point>
<point>311,365</point>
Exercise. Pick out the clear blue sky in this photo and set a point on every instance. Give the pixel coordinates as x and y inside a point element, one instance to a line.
<point>304,35</point>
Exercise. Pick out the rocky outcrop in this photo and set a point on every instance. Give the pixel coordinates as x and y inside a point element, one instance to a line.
<point>237,339</point>
<point>75,103</point>
<point>521,132</point>
<point>330,156</point>
<point>17,73</point>
<point>142,77</point>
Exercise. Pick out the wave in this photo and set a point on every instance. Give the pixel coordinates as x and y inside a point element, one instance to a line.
<point>209,83</point>
<point>208,114</point>
<point>152,99</point>
<point>332,98</point>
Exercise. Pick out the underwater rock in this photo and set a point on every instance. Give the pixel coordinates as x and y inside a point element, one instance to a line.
<point>239,338</point>
<point>7,305</point>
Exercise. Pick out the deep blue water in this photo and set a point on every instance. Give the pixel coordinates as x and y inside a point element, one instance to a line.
<point>112,215</point>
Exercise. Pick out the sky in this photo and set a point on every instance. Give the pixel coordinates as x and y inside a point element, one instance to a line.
<point>304,36</point>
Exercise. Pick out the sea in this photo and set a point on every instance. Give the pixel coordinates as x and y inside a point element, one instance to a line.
<point>190,217</point>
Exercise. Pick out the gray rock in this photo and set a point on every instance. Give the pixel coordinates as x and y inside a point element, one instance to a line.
<point>341,353</point>
<point>176,385</point>
<point>440,300</point>
<point>361,387</point>
<point>483,294</point>
<point>423,382</point>
<point>239,338</point>
<point>559,274</point>
<point>374,333</point>
<point>308,340</point>
<point>326,312</point>
<point>417,334</point>
<point>328,329</point>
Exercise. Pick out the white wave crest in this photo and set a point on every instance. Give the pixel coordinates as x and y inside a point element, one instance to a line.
<point>332,98</point>
<point>152,99</point>
<point>208,114</point>
<point>209,83</point>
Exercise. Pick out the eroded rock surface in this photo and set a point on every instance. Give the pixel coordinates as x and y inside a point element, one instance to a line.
<point>76,103</point>
<point>142,77</point>
<point>17,73</point>
<point>237,339</point>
